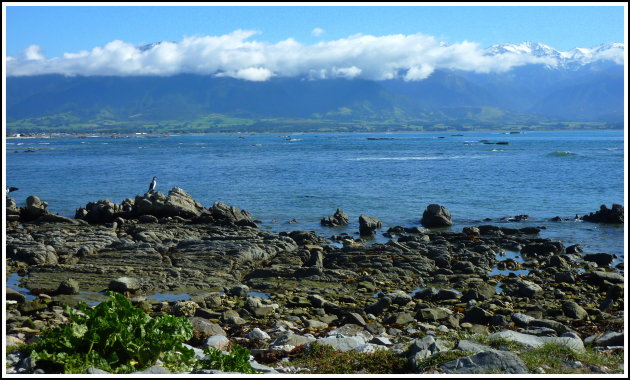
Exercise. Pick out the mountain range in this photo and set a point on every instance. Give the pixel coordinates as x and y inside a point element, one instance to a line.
<point>585,85</point>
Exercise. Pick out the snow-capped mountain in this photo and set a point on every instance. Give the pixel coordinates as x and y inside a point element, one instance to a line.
<point>536,49</point>
<point>571,59</point>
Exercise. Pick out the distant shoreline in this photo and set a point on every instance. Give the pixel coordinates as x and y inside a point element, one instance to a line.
<point>128,135</point>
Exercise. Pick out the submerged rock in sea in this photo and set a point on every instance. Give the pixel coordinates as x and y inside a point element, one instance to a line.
<point>368,225</point>
<point>613,215</point>
<point>339,218</point>
<point>436,216</point>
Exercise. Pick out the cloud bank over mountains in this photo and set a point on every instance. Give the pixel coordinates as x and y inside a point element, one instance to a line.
<point>410,57</point>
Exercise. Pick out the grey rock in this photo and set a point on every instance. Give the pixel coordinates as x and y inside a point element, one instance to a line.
<point>153,370</point>
<point>351,330</point>
<point>343,343</point>
<point>238,291</point>
<point>565,276</point>
<point>32,252</point>
<point>368,225</point>
<point>317,325</point>
<point>420,345</point>
<point>207,327</point>
<point>340,218</point>
<point>470,346</point>
<point>598,277</point>
<point>436,216</point>
<point>601,259</point>
<point>399,297</point>
<point>381,340</point>
<point>375,328</point>
<point>317,300</point>
<point>479,291</point>
<point>478,315</point>
<point>610,338</point>
<point>14,295</point>
<point>261,368</point>
<point>568,340</point>
<point>549,323</point>
<point>354,318</point>
<point>378,307</point>
<point>185,308</point>
<point>220,342</point>
<point>147,219</point>
<point>257,334</point>
<point>486,362</point>
<point>33,209</point>
<point>522,320</point>
<point>401,318</point>
<point>69,286</point>
<point>291,339</point>
<point>613,215</point>
<point>521,288</point>
<point>433,314</point>
<point>572,310</point>
<point>231,215</point>
<point>124,284</point>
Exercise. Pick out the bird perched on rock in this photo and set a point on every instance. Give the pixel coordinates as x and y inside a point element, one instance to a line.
<point>152,185</point>
<point>10,189</point>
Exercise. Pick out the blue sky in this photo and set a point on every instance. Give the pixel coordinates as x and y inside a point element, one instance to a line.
<point>60,29</point>
<point>318,42</point>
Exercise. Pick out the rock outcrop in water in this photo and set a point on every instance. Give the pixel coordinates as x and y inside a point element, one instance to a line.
<point>421,295</point>
<point>178,203</point>
<point>613,215</point>
<point>339,218</point>
<point>368,225</point>
<point>436,216</point>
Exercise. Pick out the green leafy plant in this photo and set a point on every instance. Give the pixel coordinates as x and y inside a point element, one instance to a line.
<point>114,336</point>
<point>237,360</point>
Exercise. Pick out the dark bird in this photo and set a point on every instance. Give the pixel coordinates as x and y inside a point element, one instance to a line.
<point>152,185</point>
<point>10,189</point>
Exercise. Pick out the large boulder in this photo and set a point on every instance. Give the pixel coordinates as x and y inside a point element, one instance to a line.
<point>180,203</point>
<point>436,216</point>
<point>606,215</point>
<point>34,208</point>
<point>177,203</point>
<point>368,225</point>
<point>339,218</point>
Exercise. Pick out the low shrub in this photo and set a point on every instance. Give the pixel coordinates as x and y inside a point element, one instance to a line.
<point>114,336</point>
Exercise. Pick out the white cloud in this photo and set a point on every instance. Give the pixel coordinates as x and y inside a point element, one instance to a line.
<point>346,72</point>
<point>237,55</point>
<point>33,53</point>
<point>317,32</point>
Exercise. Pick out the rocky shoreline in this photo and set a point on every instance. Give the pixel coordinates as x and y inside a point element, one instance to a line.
<point>421,295</point>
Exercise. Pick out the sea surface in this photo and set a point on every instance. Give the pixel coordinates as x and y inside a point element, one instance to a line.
<point>290,182</point>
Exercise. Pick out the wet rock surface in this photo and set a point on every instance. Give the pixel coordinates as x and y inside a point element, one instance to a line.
<point>417,295</point>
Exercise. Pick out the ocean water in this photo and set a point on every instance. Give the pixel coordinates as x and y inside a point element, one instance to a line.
<point>304,177</point>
